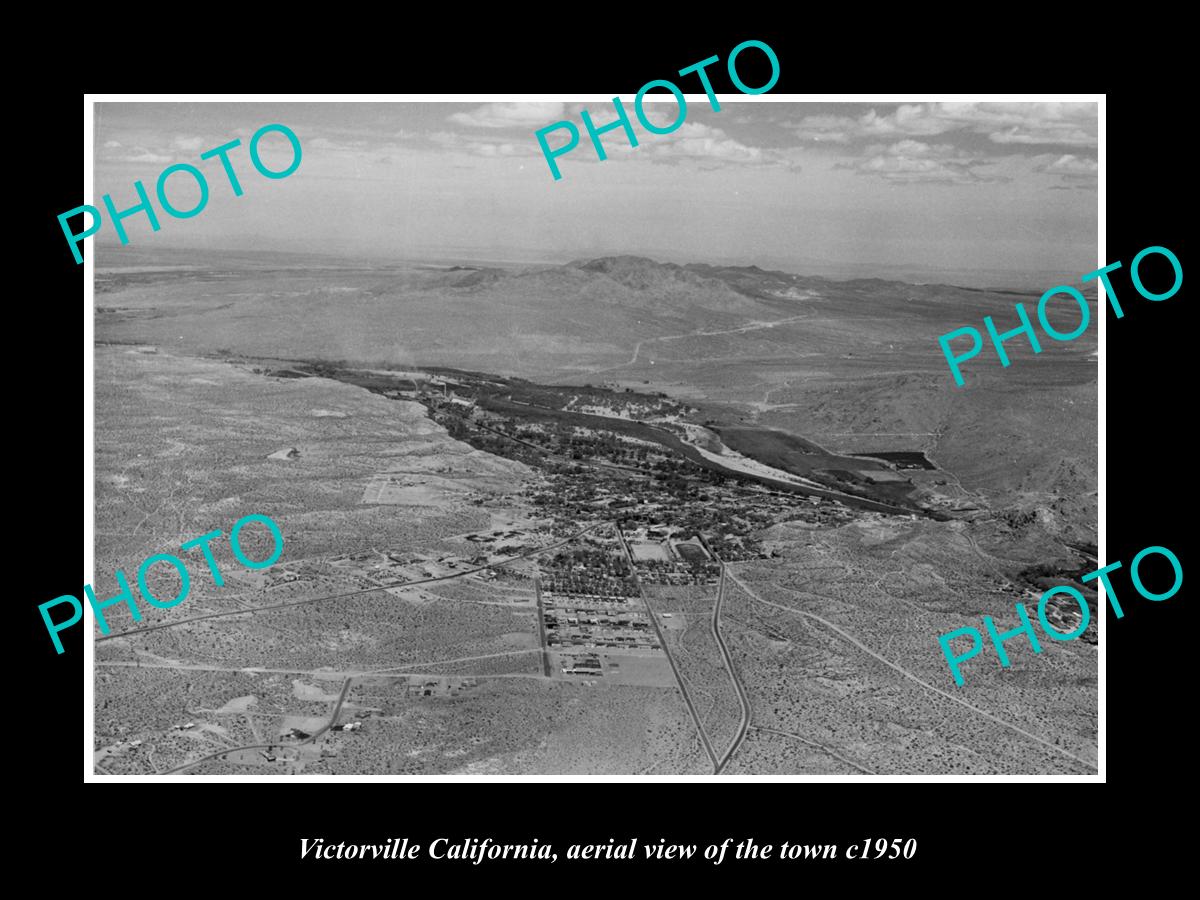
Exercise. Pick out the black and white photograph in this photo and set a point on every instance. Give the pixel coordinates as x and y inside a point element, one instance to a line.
<point>526,437</point>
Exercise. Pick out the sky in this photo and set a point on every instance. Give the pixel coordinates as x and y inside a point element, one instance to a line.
<point>993,194</point>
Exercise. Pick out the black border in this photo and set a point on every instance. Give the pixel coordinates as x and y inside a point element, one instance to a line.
<point>961,828</point>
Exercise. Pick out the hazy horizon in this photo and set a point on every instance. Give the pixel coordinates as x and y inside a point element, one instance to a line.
<point>832,271</point>
<point>983,194</point>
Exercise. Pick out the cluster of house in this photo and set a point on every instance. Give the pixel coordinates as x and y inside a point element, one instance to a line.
<point>439,687</point>
<point>573,622</point>
<point>679,574</point>
<point>586,664</point>
<point>588,584</point>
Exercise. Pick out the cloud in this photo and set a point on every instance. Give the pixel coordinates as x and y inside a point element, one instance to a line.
<point>692,142</point>
<point>158,149</point>
<point>1072,124</point>
<point>906,120</point>
<point>336,146</point>
<point>836,129</point>
<point>141,155</point>
<point>484,147</point>
<point>1075,137</point>
<point>1072,166</point>
<point>702,143</point>
<point>1074,171</point>
<point>909,162</point>
<point>510,115</point>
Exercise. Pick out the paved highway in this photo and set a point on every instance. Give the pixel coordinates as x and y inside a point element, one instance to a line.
<point>743,700</point>
<point>662,642</point>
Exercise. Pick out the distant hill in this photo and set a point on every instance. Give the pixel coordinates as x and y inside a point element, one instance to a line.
<point>838,362</point>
